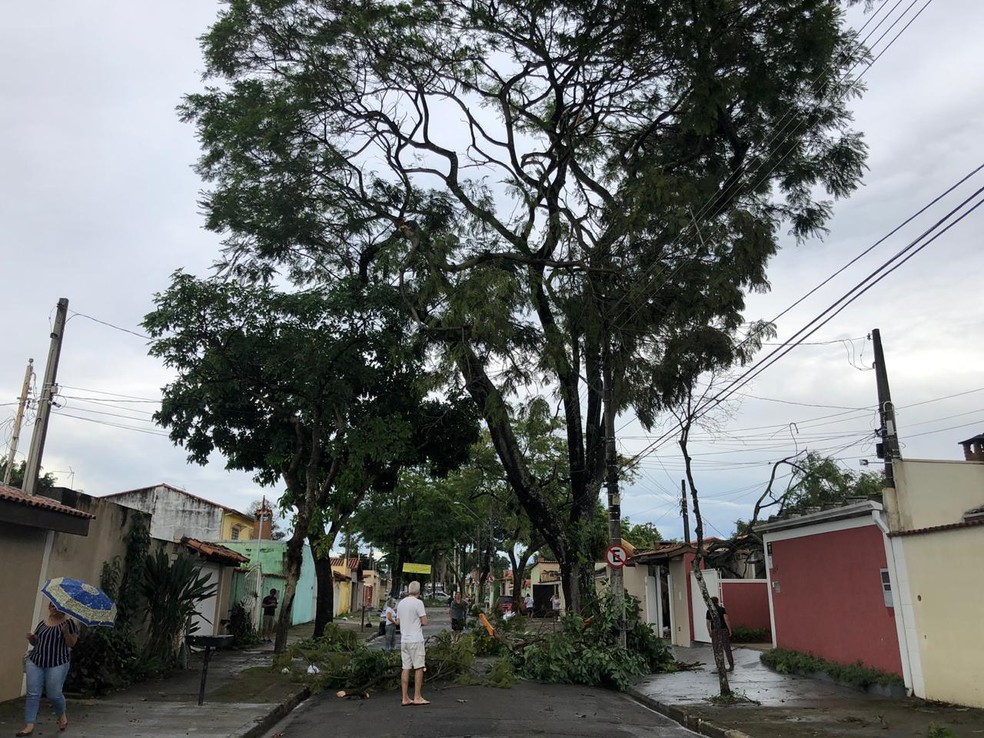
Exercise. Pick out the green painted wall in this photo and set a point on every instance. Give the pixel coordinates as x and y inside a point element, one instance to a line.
<point>271,556</point>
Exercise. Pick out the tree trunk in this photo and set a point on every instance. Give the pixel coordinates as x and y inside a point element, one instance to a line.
<point>325,608</point>
<point>723,685</point>
<point>292,566</point>
<point>567,541</point>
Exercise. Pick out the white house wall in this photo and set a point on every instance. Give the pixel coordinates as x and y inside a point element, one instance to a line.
<point>175,514</point>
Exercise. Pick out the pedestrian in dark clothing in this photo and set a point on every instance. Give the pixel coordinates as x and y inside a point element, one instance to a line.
<point>721,637</point>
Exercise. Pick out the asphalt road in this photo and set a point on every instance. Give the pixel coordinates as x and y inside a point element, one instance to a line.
<point>526,709</point>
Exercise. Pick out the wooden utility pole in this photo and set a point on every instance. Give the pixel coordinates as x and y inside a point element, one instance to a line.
<point>18,419</point>
<point>611,482</point>
<point>886,411</point>
<point>44,404</point>
<point>684,512</point>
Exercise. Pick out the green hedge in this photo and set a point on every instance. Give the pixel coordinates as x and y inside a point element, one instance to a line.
<point>785,661</point>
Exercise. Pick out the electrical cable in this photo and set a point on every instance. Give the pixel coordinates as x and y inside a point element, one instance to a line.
<point>886,268</point>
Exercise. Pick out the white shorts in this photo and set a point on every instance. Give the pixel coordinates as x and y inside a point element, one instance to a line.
<point>412,654</point>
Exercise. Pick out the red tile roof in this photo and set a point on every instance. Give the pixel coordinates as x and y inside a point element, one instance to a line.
<point>215,551</point>
<point>15,495</point>
<point>352,562</point>
<point>662,552</point>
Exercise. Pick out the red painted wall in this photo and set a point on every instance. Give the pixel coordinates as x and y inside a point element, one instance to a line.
<point>747,603</point>
<point>827,596</point>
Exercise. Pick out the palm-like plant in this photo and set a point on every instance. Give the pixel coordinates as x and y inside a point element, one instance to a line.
<point>172,590</point>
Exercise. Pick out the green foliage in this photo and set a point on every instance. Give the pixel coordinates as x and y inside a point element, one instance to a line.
<point>486,645</point>
<point>175,589</point>
<point>648,132</point>
<point>587,652</point>
<point>820,481</point>
<point>105,659</point>
<point>342,661</point>
<point>503,674</point>
<point>786,661</point>
<point>46,481</point>
<point>644,536</point>
<point>940,731</point>
<point>741,634</point>
<point>241,627</point>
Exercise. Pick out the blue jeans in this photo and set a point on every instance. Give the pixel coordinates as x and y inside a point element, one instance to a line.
<point>51,680</point>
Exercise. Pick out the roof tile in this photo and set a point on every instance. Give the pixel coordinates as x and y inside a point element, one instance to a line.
<point>15,495</point>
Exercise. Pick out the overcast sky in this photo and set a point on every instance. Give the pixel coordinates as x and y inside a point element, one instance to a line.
<point>98,204</point>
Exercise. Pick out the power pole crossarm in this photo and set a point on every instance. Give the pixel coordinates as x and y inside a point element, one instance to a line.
<point>44,404</point>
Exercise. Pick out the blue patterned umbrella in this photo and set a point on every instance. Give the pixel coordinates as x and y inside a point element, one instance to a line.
<point>87,604</point>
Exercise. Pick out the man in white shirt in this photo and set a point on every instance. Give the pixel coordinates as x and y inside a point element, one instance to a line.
<point>411,617</point>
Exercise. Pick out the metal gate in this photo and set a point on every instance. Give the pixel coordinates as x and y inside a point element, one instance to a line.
<point>697,605</point>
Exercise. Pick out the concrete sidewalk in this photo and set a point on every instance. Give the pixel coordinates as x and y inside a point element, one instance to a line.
<point>241,700</point>
<point>788,706</point>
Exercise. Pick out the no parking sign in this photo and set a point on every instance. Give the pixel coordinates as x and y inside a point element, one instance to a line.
<point>616,557</point>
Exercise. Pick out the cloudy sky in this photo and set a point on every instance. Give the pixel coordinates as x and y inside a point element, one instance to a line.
<point>98,204</point>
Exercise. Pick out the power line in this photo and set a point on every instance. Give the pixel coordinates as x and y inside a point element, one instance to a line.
<point>62,413</point>
<point>110,325</point>
<point>882,271</point>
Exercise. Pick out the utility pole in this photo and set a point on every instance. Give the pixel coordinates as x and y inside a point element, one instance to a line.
<point>18,419</point>
<point>684,512</point>
<point>889,447</point>
<point>611,483</point>
<point>44,404</point>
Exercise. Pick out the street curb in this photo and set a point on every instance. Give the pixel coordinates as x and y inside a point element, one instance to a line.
<point>277,714</point>
<point>686,719</point>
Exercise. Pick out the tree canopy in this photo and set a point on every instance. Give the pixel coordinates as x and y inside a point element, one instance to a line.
<point>562,189</point>
<point>317,390</point>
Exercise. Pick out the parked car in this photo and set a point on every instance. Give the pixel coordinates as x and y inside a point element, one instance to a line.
<point>506,604</point>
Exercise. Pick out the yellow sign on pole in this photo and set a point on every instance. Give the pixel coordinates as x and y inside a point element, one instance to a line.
<point>416,568</point>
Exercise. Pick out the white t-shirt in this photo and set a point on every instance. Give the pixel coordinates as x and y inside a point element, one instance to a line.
<point>386,614</point>
<point>409,612</point>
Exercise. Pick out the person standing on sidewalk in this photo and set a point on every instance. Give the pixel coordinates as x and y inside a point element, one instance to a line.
<point>528,603</point>
<point>46,666</point>
<point>721,637</point>
<point>269,615</point>
<point>389,615</point>
<point>411,617</point>
<point>458,612</point>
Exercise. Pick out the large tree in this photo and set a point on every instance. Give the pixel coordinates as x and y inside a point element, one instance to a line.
<point>317,391</point>
<point>571,194</point>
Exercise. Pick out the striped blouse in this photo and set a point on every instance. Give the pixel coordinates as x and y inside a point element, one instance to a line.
<point>50,648</point>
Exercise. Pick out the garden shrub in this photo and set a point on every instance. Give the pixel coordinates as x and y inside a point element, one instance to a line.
<point>786,661</point>
<point>740,634</point>
<point>585,651</point>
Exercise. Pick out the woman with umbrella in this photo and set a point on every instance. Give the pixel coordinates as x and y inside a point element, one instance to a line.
<point>47,665</point>
<point>54,638</point>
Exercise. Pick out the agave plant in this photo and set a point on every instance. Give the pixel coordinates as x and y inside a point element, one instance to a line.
<point>173,591</point>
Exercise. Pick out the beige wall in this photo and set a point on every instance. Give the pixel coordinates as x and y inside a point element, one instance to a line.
<point>634,581</point>
<point>947,603</point>
<point>680,603</point>
<point>929,493</point>
<point>23,550</point>
<point>82,557</point>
